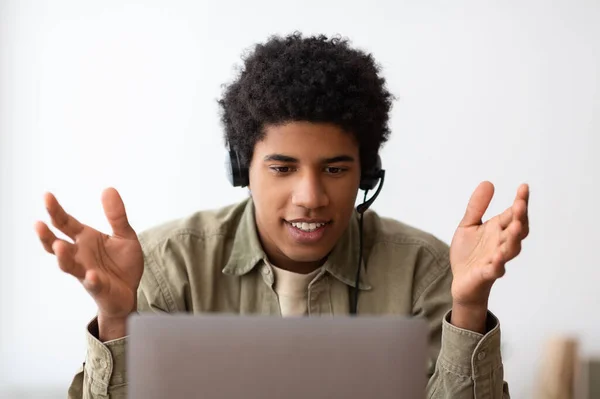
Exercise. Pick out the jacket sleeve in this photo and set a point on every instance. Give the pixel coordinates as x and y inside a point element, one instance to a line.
<point>462,364</point>
<point>104,374</point>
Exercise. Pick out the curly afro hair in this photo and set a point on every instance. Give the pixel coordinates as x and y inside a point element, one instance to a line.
<point>314,79</point>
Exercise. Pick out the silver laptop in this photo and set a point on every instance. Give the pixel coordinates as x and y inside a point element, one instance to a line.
<point>252,357</point>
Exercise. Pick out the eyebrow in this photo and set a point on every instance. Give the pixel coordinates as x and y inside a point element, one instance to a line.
<point>288,159</point>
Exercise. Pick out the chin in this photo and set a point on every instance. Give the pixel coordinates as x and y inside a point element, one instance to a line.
<point>311,255</point>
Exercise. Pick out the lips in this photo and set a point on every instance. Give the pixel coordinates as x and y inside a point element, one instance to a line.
<point>307,231</point>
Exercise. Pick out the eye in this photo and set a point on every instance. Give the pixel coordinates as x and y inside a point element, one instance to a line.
<point>281,170</point>
<point>332,170</point>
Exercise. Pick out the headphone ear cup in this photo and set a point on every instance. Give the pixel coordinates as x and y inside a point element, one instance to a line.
<point>236,173</point>
<point>369,179</point>
<point>368,182</point>
<point>229,168</point>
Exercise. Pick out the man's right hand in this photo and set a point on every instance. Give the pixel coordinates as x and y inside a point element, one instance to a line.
<point>110,267</point>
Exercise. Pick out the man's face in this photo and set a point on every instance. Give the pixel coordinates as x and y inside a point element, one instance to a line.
<point>304,178</point>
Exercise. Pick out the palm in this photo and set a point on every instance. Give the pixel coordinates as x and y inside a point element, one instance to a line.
<point>116,263</point>
<point>109,267</point>
<point>479,251</point>
<point>474,248</point>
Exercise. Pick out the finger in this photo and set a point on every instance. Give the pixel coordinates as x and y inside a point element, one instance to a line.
<point>511,242</point>
<point>523,193</point>
<point>65,253</point>
<point>519,209</point>
<point>510,249</point>
<point>496,268</point>
<point>478,204</point>
<point>522,198</point>
<point>505,218</point>
<point>114,209</point>
<point>93,282</point>
<point>46,236</point>
<point>61,219</point>
<point>512,232</point>
<point>520,215</point>
<point>525,231</point>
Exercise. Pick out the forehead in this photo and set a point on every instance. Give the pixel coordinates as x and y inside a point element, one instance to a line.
<point>300,137</point>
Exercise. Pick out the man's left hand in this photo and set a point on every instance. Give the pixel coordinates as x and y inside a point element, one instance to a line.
<point>480,251</point>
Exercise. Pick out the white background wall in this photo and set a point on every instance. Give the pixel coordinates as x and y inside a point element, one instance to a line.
<point>119,93</point>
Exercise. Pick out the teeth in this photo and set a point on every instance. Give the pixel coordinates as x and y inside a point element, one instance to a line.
<point>307,226</point>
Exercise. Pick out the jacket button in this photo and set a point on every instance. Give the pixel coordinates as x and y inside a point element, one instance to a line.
<point>481,355</point>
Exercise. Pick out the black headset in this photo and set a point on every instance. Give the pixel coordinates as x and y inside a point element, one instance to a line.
<point>238,176</point>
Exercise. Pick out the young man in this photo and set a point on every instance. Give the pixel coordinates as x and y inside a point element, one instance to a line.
<point>306,117</point>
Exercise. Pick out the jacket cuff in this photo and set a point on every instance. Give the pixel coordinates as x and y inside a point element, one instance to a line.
<point>105,362</point>
<point>468,353</point>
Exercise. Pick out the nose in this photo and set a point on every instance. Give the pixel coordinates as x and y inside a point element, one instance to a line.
<point>310,192</point>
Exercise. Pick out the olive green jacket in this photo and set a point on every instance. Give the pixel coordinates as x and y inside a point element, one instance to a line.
<point>212,261</point>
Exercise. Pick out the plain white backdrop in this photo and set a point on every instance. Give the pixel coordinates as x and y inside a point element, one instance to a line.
<point>123,94</point>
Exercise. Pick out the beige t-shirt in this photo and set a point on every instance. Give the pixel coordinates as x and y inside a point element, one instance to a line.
<point>292,290</point>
